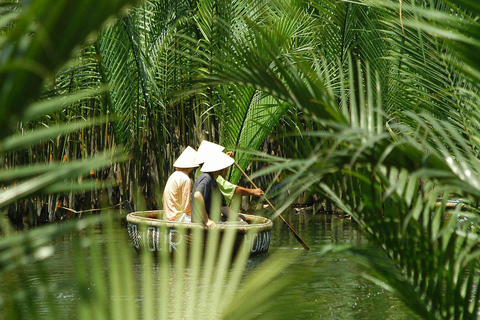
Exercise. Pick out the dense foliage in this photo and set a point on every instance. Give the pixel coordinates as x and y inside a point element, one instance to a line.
<point>373,105</point>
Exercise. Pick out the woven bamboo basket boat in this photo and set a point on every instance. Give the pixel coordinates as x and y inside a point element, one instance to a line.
<point>148,231</point>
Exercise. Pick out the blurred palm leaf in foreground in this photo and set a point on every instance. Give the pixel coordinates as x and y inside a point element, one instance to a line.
<point>199,283</point>
<point>37,41</point>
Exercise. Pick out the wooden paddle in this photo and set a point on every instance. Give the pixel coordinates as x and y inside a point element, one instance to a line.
<point>305,246</point>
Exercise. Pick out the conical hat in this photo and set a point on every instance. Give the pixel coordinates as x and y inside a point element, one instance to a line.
<point>217,161</point>
<point>205,149</point>
<point>185,160</point>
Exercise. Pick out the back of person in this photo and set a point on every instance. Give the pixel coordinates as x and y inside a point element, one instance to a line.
<point>205,149</point>
<point>176,196</point>
<point>206,185</point>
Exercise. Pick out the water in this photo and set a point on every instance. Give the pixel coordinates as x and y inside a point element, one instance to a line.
<point>335,288</point>
<point>332,286</point>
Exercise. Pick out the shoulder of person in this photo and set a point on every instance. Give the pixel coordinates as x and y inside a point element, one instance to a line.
<point>203,178</point>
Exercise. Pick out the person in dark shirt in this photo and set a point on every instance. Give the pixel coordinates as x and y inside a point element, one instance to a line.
<point>227,189</point>
<point>206,189</point>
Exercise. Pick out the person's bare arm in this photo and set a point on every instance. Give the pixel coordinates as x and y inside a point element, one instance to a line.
<point>249,192</point>
<point>199,202</point>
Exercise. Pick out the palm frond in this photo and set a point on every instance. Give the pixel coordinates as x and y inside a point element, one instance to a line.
<point>378,176</point>
<point>111,288</point>
<point>41,53</point>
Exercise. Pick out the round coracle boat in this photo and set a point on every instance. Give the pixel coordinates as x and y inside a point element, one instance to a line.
<point>149,231</point>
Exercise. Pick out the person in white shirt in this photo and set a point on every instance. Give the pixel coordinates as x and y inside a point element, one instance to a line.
<point>177,192</point>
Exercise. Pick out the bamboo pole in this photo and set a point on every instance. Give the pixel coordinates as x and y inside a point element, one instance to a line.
<point>305,246</point>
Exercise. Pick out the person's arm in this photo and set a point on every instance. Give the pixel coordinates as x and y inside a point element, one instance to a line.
<point>249,192</point>
<point>199,204</point>
<point>257,192</point>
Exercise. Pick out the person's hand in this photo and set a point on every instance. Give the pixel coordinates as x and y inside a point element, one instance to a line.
<point>210,224</point>
<point>229,153</point>
<point>258,192</point>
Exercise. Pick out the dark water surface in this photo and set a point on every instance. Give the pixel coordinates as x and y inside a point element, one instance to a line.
<point>335,288</point>
<point>332,286</point>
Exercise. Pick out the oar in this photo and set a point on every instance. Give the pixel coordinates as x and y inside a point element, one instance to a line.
<point>305,246</point>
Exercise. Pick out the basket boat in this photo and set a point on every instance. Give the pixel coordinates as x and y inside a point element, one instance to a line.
<point>149,231</point>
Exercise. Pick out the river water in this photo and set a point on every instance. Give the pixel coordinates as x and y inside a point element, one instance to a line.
<point>332,286</point>
<point>335,288</point>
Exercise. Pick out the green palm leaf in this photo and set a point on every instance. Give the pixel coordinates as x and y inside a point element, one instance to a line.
<point>30,58</point>
<point>250,114</point>
<point>375,174</point>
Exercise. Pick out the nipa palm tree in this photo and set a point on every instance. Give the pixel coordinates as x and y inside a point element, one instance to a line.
<point>395,126</point>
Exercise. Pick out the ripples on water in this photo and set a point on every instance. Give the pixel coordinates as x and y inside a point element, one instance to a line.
<point>333,287</point>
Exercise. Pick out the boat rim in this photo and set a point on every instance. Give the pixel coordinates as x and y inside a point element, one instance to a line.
<point>259,223</point>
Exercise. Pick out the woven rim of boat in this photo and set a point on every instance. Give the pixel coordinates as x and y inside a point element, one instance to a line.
<point>256,222</point>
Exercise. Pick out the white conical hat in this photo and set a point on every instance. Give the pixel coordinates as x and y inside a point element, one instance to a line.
<point>205,149</point>
<point>217,161</point>
<point>185,160</point>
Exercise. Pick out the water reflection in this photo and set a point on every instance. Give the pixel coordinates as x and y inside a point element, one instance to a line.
<point>319,229</point>
<point>332,286</point>
<point>329,287</point>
